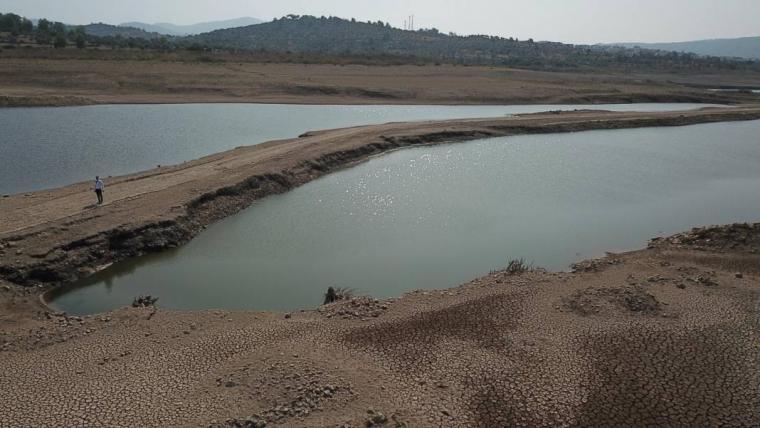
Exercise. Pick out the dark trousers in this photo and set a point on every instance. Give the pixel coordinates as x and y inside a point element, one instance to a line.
<point>100,196</point>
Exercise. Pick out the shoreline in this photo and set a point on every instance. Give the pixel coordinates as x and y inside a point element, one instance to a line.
<point>535,348</point>
<point>542,348</point>
<point>53,101</point>
<point>48,240</point>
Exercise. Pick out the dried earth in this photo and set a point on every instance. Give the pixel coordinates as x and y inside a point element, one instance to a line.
<point>28,79</point>
<point>662,336</point>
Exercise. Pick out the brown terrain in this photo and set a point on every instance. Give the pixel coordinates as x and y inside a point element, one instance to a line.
<point>64,80</point>
<point>661,336</point>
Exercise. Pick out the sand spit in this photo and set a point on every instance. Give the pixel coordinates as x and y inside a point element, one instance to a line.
<point>662,336</point>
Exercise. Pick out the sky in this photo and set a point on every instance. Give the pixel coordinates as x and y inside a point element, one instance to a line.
<point>569,21</point>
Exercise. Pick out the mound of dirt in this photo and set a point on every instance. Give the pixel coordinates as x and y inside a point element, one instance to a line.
<point>597,301</point>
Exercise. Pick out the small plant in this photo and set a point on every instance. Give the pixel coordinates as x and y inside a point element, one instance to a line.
<point>336,294</point>
<point>518,266</point>
<point>144,301</point>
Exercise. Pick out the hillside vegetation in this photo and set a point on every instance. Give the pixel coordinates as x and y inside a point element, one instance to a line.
<point>324,39</point>
<point>745,47</point>
<point>348,37</point>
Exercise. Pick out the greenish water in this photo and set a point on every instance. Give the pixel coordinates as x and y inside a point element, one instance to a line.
<point>433,217</point>
<point>50,147</point>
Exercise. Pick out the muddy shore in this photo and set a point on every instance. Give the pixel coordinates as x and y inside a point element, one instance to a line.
<point>669,328</point>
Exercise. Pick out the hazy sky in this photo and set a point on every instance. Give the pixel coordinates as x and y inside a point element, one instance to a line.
<point>572,21</point>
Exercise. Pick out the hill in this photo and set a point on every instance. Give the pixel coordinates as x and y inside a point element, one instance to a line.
<point>185,30</point>
<point>745,47</point>
<point>107,30</point>
<point>336,36</point>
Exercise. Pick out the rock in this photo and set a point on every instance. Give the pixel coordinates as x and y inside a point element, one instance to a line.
<point>375,419</point>
<point>288,315</point>
<point>739,275</point>
<point>144,301</point>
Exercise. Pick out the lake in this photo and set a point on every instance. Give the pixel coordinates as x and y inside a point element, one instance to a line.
<point>50,147</point>
<point>434,217</point>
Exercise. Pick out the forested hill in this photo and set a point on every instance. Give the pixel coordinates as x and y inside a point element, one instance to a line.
<point>745,47</point>
<point>107,30</point>
<point>336,36</point>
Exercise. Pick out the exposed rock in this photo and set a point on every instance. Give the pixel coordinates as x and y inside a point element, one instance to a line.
<point>356,307</point>
<point>594,265</point>
<point>742,237</point>
<point>375,419</point>
<point>144,301</point>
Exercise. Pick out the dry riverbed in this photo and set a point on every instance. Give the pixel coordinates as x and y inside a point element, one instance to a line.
<point>665,335</point>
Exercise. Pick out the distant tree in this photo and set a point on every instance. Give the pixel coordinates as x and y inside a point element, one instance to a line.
<point>58,29</point>
<point>27,26</point>
<point>80,40</point>
<point>60,41</point>
<point>43,25</point>
<point>10,23</point>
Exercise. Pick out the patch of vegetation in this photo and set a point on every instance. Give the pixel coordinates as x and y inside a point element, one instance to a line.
<point>518,266</point>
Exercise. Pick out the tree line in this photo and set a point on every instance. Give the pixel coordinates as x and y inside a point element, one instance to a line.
<point>334,37</point>
<point>46,32</point>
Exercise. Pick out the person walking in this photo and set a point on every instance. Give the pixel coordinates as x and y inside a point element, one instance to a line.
<point>99,186</point>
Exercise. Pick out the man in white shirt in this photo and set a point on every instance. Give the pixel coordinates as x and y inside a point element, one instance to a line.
<point>99,186</point>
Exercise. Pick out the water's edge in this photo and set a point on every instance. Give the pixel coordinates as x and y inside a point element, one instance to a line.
<point>121,244</point>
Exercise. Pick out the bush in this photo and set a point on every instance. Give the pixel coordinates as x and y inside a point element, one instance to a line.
<point>518,266</point>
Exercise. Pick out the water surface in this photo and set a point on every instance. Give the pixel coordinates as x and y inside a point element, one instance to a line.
<point>433,217</point>
<point>49,147</point>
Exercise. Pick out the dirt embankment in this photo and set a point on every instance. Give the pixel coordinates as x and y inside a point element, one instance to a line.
<point>62,81</point>
<point>55,236</point>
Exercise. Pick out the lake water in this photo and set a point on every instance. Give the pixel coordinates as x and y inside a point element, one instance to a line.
<point>50,147</point>
<point>434,217</point>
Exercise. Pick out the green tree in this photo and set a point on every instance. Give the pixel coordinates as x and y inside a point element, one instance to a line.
<point>59,29</point>
<point>80,40</point>
<point>43,25</point>
<point>60,41</point>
